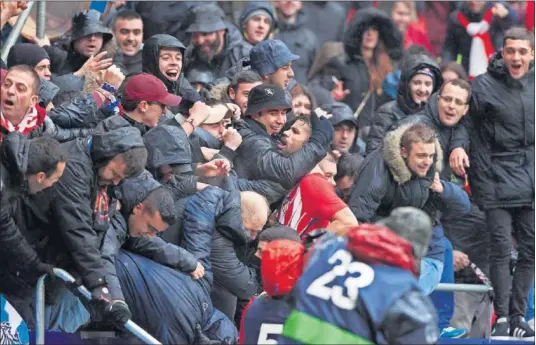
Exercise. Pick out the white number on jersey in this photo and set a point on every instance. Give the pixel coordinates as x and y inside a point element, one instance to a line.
<point>268,329</point>
<point>344,267</point>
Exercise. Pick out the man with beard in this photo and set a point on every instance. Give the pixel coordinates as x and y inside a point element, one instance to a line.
<point>128,32</point>
<point>259,157</point>
<point>419,79</point>
<point>313,203</point>
<point>502,172</point>
<point>212,44</point>
<point>81,203</point>
<point>272,60</point>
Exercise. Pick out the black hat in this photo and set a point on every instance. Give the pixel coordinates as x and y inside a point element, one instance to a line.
<point>341,113</point>
<point>167,145</point>
<point>206,21</point>
<point>267,96</point>
<point>26,54</point>
<point>87,23</point>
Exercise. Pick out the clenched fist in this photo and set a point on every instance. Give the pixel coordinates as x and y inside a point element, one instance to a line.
<point>199,272</point>
<point>232,139</point>
<point>114,76</point>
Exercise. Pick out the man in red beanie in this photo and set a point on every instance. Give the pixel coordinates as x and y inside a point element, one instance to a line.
<point>263,318</point>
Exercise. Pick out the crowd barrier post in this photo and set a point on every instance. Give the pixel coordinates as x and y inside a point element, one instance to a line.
<point>40,310</point>
<point>15,32</point>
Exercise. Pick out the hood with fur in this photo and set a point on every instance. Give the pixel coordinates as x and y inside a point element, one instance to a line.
<point>388,33</point>
<point>396,163</point>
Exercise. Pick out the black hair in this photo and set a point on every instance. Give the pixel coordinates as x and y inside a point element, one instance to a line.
<point>44,154</point>
<point>161,200</point>
<point>126,15</point>
<point>135,160</point>
<point>348,165</point>
<point>36,82</point>
<point>65,96</point>
<point>519,33</point>
<point>129,106</point>
<point>243,77</point>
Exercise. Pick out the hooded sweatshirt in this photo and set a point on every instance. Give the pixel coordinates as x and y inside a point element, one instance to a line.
<point>150,64</point>
<point>392,112</point>
<point>80,207</point>
<point>255,6</point>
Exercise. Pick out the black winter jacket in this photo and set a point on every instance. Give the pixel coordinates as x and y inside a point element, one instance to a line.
<point>150,63</point>
<point>75,195</point>
<point>502,138</point>
<point>302,42</point>
<point>134,191</point>
<point>385,183</point>
<point>325,19</point>
<point>17,254</point>
<point>235,49</point>
<point>357,77</point>
<point>129,64</point>
<point>258,157</point>
<point>392,112</point>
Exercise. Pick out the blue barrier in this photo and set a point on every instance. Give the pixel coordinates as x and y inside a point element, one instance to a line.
<point>484,341</point>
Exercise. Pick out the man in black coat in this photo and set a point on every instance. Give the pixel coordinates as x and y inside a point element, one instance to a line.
<point>213,44</point>
<point>27,167</point>
<point>405,172</point>
<point>259,157</point>
<point>502,172</point>
<point>293,31</point>
<point>88,38</point>
<point>82,203</point>
<point>128,31</point>
<point>419,79</point>
<point>163,56</point>
<point>147,208</point>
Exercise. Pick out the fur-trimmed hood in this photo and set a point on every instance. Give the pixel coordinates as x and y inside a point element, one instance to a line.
<point>396,163</point>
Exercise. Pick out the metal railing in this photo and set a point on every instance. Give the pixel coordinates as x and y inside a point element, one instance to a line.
<point>462,288</point>
<point>15,32</point>
<point>40,310</point>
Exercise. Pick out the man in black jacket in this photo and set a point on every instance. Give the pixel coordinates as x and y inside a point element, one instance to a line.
<point>213,46</point>
<point>259,157</point>
<point>293,31</point>
<point>163,56</point>
<point>406,173</point>
<point>128,32</point>
<point>502,172</point>
<point>146,210</point>
<point>81,204</point>
<point>27,167</point>
<point>88,38</point>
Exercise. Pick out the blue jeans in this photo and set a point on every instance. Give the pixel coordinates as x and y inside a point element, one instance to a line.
<point>444,300</point>
<point>530,304</point>
<point>67,314</point>
<point>431,270</point>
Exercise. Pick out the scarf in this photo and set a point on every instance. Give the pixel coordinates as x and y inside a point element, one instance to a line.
<point>33,119</point>
<point>481,44</point>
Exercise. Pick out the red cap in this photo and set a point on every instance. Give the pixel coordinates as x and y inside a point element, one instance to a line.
<point>147,87</point>
<point>281,266</point>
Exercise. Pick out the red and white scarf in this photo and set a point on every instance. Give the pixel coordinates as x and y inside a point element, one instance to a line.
<point>481,44</point>
<point>34,118</point>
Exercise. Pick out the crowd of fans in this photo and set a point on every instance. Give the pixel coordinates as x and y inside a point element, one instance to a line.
<point>307,174</point>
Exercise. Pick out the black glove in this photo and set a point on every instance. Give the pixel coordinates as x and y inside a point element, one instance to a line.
<point>44,268</point>
<point>322,130</point>
<point>100,303</point>
<point>119,314</point>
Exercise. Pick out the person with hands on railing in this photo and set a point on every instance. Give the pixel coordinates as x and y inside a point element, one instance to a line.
<point>147,208</point>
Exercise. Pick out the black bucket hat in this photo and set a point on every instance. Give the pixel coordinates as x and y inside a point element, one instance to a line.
<point>267,96</point>
<point>88,22</point>
<point>206,21</point>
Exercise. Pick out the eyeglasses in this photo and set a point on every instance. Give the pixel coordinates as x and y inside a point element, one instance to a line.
<point>449,99</point>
